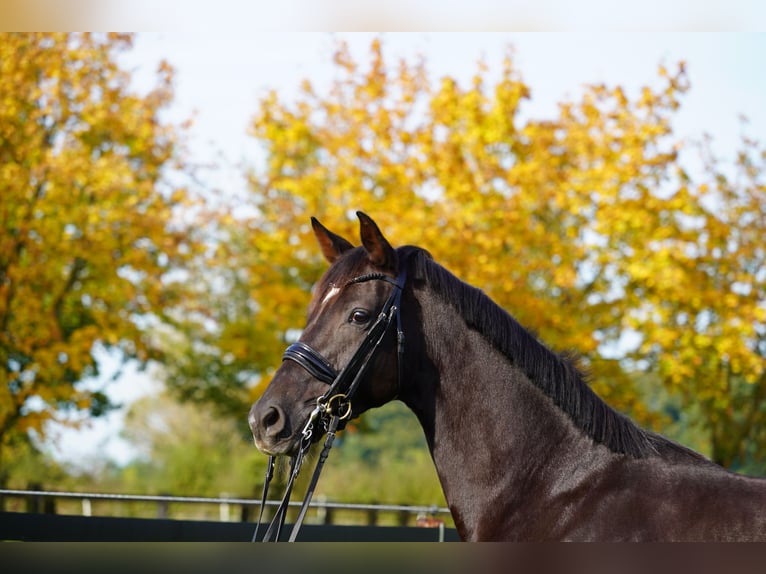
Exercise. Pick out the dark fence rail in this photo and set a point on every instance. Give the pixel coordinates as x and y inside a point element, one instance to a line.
<point>59,528</point>
<point>40,522</point>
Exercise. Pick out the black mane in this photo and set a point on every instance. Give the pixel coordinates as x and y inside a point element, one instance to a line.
<point>555,374</point>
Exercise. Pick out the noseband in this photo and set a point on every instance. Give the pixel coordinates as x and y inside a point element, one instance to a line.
<point>344,384</point>
<point>334,404</point>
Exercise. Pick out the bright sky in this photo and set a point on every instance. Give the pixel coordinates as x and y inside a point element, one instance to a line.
<point>221,75</point>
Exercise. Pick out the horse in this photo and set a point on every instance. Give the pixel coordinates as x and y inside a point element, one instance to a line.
<point>524,449</point>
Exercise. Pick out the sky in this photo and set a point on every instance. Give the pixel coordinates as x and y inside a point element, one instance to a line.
<point>222,73</point>
<point>220,79</point>
<point>239,16</point>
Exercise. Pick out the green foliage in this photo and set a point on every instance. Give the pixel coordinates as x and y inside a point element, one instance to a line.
<point>26,467</point>
<point>188,450</point>
<point>386,463</point>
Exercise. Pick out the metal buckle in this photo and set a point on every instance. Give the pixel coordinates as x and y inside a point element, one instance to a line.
<point>341,408</point>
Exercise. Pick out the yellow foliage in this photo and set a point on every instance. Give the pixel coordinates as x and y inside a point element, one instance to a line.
<point>85,237</point>
<point>581,225</point>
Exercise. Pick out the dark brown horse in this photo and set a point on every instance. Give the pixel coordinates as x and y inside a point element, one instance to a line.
<point>524,449</point>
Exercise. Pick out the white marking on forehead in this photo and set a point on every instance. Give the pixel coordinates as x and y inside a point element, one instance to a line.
<point>330,294</point>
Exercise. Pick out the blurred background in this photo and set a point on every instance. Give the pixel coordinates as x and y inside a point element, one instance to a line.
<point>606,188</point>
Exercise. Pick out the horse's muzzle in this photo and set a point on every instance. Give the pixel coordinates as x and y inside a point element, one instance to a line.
<point>271,429</point>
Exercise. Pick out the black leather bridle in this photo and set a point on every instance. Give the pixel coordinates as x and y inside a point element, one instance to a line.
<point>334,405</point>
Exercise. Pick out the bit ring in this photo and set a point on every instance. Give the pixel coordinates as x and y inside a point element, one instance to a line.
<point>338,405</point>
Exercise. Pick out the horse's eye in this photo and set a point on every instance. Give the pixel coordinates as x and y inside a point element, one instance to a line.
<point>359,317</point>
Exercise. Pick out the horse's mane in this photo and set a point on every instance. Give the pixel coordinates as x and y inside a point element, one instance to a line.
<point>554,374</point>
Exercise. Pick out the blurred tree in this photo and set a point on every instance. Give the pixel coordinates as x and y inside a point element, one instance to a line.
<point>90,241</point>
<point>389,463</point>
<point>695,291</point>
<point>217,351</point>
<point>585,226</point>
<point>28,467</point>
<point>186,449</point>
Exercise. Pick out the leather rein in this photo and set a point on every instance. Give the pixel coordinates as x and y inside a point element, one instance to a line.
<point>334,405</point>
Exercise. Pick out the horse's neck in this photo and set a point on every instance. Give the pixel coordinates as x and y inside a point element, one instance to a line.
<point>491,432</point>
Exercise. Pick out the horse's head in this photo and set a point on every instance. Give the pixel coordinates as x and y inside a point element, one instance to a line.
<point>353,310</point>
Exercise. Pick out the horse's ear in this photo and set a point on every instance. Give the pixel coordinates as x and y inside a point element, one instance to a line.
<point>332,246</point>
<point>379,251</point>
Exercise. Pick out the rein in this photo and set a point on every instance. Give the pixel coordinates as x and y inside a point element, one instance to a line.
<point>334,405</point>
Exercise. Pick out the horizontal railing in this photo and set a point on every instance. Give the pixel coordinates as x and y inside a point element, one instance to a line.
<point>424,515</point>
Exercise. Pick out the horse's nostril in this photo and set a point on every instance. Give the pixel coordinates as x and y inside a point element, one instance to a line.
<point>273,421</point>
<point>271,417</point>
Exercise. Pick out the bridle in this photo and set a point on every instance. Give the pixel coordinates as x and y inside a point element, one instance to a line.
<point>334,405</point>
